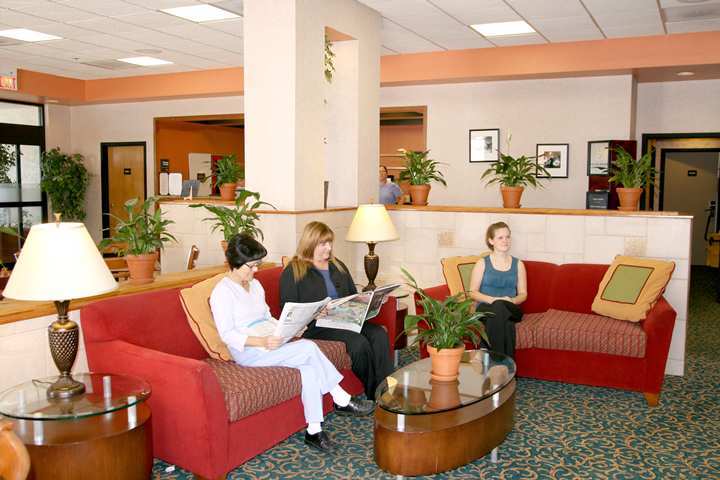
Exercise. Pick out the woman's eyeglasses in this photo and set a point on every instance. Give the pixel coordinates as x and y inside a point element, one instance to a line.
<point>255,264</point>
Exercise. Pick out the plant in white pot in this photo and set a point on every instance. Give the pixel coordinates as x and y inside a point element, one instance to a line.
<point>633,175</point>
<point>419,172</point>
<point>514,174</point>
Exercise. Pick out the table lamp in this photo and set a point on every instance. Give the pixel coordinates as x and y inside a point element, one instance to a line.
<point>60,262</point>
<point>371,224</point>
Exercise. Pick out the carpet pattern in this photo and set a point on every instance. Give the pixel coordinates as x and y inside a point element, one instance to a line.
<point>561,431</point>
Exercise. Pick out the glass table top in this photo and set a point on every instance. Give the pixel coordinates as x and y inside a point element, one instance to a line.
<point>104,393</point>
<point>411,391</point>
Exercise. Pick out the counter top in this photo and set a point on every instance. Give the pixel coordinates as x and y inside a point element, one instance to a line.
<point>537,211</point>
<point>227,203</point>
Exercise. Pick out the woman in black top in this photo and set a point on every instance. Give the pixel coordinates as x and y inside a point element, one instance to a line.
<point>313,274</point>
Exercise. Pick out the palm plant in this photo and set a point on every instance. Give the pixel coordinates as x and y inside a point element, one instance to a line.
<point>240,219</point>
<point>631,173</point>
<point>419,169</point>
<point>510,171</point>
<point>142,231</point>
<point>228,170</point>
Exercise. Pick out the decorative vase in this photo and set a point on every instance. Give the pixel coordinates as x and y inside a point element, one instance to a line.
<point>629,198</point>
<point>141,267</point>
<point>445,363</point>
<point>227,191</point>
<point>419,194</point>
<point>444,395</point>
<point>511,196</point>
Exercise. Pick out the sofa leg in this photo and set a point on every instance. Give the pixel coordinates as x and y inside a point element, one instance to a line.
<point>221,477</point>
<point>652,399</point>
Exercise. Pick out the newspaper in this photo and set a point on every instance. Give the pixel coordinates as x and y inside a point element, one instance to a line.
<point>295,317</point>
<point>351,312</point>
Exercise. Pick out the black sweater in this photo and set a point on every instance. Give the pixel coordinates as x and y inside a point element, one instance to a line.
<point>311,288</point>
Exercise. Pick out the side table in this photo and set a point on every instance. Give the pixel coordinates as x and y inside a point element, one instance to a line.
<point>104,433</point>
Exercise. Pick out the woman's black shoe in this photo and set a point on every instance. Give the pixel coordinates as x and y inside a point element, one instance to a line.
<point>319,441</point>
<point>356,408</point>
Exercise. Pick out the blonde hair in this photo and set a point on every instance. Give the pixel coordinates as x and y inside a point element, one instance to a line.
<point>490,234</point>
<point>313,235</point>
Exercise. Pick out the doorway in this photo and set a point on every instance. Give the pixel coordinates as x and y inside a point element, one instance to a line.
<point>689,184</point>
<point>123,173</point>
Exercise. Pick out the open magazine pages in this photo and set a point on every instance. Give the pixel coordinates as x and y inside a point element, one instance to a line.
<point>296,316</point>
<point>350,313</point>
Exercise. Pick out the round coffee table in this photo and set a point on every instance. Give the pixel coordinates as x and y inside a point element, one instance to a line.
<point>102,433</point>
<point>424,427</point>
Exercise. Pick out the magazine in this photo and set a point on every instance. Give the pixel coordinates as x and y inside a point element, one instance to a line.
<point>351,312</point>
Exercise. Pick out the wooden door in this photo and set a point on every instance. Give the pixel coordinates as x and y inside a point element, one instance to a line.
<point>126,177</point>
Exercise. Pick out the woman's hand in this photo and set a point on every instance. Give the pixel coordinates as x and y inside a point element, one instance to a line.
<point>300,333</point>
<point>272,342</point>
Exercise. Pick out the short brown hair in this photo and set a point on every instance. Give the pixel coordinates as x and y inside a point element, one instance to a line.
<point>490,234</point>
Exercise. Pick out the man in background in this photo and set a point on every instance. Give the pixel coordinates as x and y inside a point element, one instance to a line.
<point>389,192</point>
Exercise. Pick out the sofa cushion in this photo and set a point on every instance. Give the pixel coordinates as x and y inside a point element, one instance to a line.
<point>575,285</point>
<point>524,330</point>
<point>195,302</point>
<point>581,332</point>
<point>458,270</point>
<point>631,286</point>
<point>248,390</point>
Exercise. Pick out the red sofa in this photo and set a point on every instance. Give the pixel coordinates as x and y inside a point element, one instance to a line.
<point>147,335</point>
<point>555,290</point>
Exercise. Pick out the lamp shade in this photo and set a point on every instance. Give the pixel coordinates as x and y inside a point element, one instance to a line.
<point>371,223</point>
<point>59,261</point>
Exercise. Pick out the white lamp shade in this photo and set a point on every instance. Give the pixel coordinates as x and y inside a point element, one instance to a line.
<point>371,223</point>
<point>59,261</point>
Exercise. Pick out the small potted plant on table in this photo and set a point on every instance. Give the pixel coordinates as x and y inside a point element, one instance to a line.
<point>143,233</point>
<point>632,175</point>
<point>442,327</point>
<point>228,172</point>
<point>419,172</point>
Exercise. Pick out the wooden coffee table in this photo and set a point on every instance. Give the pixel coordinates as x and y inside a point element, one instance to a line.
<point>424,427</point>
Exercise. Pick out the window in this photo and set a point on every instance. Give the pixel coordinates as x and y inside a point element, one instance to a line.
<point>22,143</point>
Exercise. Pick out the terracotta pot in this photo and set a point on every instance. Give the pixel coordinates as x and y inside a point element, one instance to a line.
<point>445,363</point>
<point>142,268</point>
<point>511,196</point>
<point>227,191</point>
<point>419,194</point>
<point>444,395</point>
<point>629,198</point>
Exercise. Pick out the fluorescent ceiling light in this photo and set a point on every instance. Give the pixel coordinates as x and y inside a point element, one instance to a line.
<point>144,61</point>
<point>502,28</point>
<point>201,13</point>
<point>27,35</point>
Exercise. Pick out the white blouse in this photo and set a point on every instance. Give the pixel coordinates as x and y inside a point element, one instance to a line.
<point>239,313</point>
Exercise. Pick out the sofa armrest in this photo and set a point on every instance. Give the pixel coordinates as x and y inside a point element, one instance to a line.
<point>658,327</point>
<point>186,399</point>
<point>387,319</point>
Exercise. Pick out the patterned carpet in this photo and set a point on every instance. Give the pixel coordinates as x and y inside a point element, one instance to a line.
<point>561,431</point>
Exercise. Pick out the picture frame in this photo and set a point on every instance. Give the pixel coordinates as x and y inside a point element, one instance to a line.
<point>555,157</point>
<point>484,145</point>
<point>598,158</point>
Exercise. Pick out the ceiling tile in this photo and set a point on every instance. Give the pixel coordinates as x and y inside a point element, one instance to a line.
<point>111,41</point>
<point>599,7</point>
<point>161,4</point>
<point>104,25</point>
<point>387,51</point>
<point>677,3</point>
<point>695,26</point>
<point>509,40</point>
<point>548,9</point>
<point>619,31</point>
<point>16,19</point>
<point>233,27</point>
<point>404,41</point>
<point>57,12</point>
<point>106,8</point>
<point>154,19</point>
<point>568,29</point>
<point>478,11</point>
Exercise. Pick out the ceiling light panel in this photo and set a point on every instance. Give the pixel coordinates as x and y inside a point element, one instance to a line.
<point>503,28</point>
<point>27,35</point>
<point>145,61</point>
<point>201,13</point>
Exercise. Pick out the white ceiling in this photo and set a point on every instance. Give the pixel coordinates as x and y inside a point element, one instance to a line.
<point>104,30</point>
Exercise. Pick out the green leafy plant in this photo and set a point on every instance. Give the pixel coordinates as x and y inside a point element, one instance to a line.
<point>228,170</point>
<point>631,173</point>
<point>240,219</point>
<point>65,180</point>
<point>14,232</point>
<point>142,231</point>
<point>328,60</point>
<point>447,323</point>
<point>419,169</point>
<point>7,161</point>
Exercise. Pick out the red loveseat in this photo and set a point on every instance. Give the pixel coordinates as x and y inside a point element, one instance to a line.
<point>195,399</point>
<point>561,339</point>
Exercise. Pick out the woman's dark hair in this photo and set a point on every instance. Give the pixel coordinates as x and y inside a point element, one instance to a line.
<point>241,249</point>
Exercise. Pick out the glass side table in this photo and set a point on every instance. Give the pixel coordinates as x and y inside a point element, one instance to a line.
<point>102,433</point>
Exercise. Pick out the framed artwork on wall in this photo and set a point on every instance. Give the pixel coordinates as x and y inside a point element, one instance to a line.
<point>598,157</point>
<point>554,157</point>
<point>484,145</point>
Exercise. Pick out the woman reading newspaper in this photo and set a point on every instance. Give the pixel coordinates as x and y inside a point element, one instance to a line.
<point>245,325</point>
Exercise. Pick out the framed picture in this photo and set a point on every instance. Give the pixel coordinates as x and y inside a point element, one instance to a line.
<point>484,145</point>
<point>555,158</point>
<point>598,158</point>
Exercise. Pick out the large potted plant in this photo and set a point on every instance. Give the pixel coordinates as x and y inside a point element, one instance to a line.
<point>419,172</point>
<point>633,175</point>
<point>514,174</point>
<point>228,172</point>
<point>141,235</point>
<point>442,327</point>
<point>65,180</point>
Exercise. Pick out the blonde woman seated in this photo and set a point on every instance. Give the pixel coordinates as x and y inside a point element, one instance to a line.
<point>239,310</point>
<point>499,284</point>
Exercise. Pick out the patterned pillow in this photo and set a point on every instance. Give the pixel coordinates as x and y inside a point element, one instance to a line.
<point>196,303</point>
<point>631,286</point>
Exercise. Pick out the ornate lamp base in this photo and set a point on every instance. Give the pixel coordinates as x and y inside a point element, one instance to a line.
<point>64,336</point>
<point>372,264</point>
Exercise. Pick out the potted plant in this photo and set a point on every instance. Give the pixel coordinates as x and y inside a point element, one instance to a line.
<point>241,218</point>
<point>142,234</point>
<point>419,172</point>
<point>227,174</point>
<point>442,327</point>
<point>4,272</point>
<point>633,175</point>
<point>513,174</point>
<point>65,180</point>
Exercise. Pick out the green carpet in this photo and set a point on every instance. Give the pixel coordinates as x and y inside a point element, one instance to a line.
<point>561,430</point>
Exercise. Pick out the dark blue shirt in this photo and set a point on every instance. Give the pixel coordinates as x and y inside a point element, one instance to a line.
<point>331,291</point>
<point>497,283</point>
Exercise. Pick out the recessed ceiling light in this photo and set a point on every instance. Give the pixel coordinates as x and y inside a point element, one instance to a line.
<point>27,35</point>
<point>144,61</point>
<point>685,74</point>
<point>503,28</point>
<point>201,13</point>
